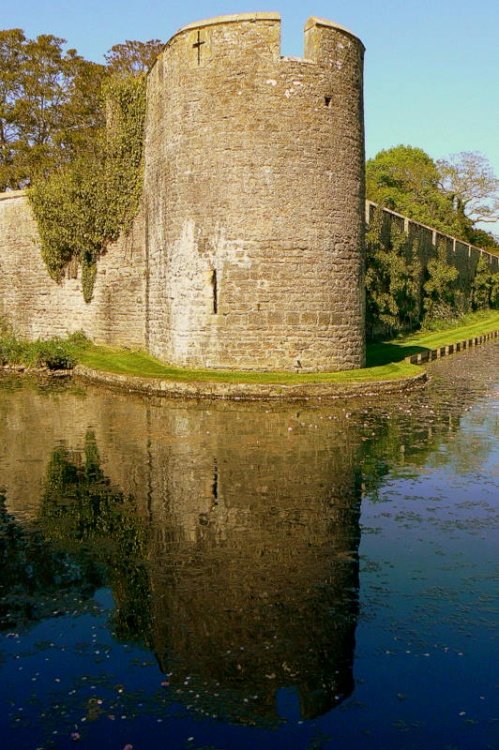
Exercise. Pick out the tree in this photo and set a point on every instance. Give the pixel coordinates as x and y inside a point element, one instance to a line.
<point>85,204</point>
<point>51,102</point>
<point>83,114</point>
<point>407,180</point>
<point>12,43</point>
<point>44,92</point>
<point>133,57</point>
<point>470,182</point>
<point>49,106</point>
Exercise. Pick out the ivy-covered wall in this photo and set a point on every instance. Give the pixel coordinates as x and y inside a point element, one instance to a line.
<point>38,306</point>
<point>416,275</point>
<point>399,251</point>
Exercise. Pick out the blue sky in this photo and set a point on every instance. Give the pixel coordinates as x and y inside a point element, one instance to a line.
<point>432,68</point>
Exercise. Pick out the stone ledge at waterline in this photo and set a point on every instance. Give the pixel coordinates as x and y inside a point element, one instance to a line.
<point>249,391</point>
<point>443,351</point>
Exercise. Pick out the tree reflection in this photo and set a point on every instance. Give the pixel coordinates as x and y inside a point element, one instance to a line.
<point>83,514</point>
<point>38,581</point>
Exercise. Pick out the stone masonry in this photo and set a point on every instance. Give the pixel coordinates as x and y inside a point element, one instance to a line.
<point>254,166</point>
<point>247,250</point>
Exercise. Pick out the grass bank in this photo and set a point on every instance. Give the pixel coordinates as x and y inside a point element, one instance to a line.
<point>450,332</point>
<point>385,360</point>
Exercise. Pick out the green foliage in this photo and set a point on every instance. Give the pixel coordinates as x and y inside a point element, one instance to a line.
<point>405,179</point>
<point>126,103</point>
<point>393,280</point>
<point>68,207</point>
<point>51,109</point>
<point>442,300</point>
<point>485,287</point>
<point>85,205</point>
<point>133,57</point>
<point>85,179</point>
<point>52,354</point>
<point>49,106</point>
<point>409,283</point>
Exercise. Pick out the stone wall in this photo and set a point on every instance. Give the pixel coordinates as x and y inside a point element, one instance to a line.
<point>248,250</point>
<point>254,188</point>
<point>38,307</point>
<point>460,254</point>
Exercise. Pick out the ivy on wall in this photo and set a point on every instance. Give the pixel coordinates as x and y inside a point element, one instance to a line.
<point>443,298</point>
<point>406,289</point>
<point>393,280</point>
<point>85,205</point>
<point>485,287</point>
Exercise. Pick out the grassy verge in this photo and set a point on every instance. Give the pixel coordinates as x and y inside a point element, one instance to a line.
<point>139,364</point>
<point>385,360</point>
<point>474,324</point>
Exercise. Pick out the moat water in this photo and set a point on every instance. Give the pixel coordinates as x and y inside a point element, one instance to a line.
<point>216,576</point>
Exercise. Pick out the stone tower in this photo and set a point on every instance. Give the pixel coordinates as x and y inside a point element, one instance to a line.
<point>254,198</point>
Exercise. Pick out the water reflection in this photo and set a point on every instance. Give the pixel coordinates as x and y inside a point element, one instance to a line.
<point>81,513</point>
<point>255,567</point>
<point>37,580</point>
<point>229,534</point>
<point>236,566</point>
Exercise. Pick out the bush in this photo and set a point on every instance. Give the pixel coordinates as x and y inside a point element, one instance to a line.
<point>53,354</point>
<point>485,287</point>
<point>11,351</point>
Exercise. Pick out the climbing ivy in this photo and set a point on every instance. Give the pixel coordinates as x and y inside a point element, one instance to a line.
<point>485,287</point>
<point>86,204</point>
<point>393,280</point>
<point>406,289</point>
<point>443,298</point>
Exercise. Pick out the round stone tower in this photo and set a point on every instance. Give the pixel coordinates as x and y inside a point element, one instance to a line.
<point>254,197</point>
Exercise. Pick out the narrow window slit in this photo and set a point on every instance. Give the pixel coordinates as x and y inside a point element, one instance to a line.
<point>214,287</point>
<point>214,490</point>
<point>328,101</point>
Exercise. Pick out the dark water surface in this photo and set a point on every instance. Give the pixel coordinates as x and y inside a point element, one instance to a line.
<point>181,575</point>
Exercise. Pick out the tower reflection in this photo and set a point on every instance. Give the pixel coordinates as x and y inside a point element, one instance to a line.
<point>254,565</point>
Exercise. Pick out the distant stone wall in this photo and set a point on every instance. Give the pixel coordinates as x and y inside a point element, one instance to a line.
<point>460,254</point>
<point>38,307</point>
